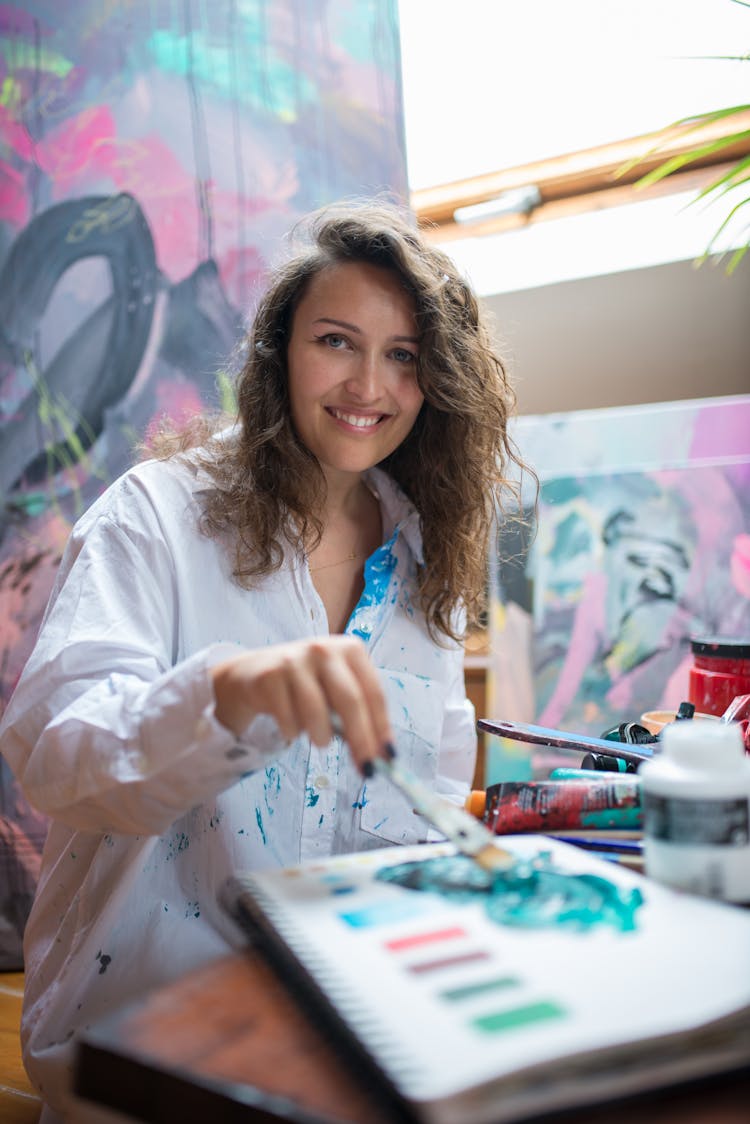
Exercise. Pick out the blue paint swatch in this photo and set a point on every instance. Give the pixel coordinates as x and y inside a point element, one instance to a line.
<point>384,913</point>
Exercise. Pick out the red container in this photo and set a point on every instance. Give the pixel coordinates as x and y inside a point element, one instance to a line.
<point>720,672</point>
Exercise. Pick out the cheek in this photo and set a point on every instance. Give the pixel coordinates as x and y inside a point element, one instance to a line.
<point>416,400</point>
<point>409,394</point>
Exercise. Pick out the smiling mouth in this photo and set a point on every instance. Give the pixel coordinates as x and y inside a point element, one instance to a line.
<point>357,420</point>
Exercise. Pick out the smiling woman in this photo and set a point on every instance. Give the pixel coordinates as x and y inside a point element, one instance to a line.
<point>354,397</point>
<point>225,599</point>
<point>352,362</point>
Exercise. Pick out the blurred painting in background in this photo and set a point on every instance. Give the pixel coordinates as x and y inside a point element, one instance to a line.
<point>153,154</point>
<point>640,540</point>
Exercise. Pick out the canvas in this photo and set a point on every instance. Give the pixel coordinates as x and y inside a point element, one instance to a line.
<point>641,539</point>
<point>153,156</point>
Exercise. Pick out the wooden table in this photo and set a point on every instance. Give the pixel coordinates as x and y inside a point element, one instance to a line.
<point>228,1045</point>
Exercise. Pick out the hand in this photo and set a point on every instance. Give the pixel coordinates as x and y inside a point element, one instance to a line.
<point>301,685</point>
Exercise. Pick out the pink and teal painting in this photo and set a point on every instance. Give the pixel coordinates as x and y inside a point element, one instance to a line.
<point>153,154</point>
<point>641,539</point>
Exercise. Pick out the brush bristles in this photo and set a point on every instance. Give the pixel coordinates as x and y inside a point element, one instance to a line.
<point>494,859</point>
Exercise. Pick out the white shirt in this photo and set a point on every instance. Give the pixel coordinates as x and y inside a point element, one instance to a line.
<point>111,731</point>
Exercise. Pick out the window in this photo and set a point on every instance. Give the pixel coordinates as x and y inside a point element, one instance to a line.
<point>557,97</point>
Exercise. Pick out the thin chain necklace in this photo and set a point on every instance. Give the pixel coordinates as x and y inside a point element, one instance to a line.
<point>327,565</point>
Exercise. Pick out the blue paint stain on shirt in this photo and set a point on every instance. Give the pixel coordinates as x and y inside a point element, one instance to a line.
<point>361,803</point>
<point>259,818</point>
<point>179,842</point>
<point>271,787</point>
<point>311,796</point>
<point>104,961</point>
<point>378,573</point>
<point>273,779</point>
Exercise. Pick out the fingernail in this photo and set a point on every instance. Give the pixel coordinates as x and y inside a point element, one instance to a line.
<point>368,769</point>
<point>390,750</point>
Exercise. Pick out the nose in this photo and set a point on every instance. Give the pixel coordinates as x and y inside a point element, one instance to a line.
<point>365,382</point>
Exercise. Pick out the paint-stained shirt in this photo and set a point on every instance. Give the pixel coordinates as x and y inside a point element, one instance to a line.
<point>153,803</point>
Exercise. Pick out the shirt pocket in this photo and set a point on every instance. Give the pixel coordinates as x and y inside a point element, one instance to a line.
<point>415,705</point>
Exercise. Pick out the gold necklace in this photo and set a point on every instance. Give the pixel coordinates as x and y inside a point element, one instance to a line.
<point>327,565</point>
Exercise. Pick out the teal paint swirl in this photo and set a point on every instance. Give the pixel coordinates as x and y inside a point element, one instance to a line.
<point>532,894</point>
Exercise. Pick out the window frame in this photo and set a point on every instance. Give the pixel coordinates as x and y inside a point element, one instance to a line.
<point>587,180</point>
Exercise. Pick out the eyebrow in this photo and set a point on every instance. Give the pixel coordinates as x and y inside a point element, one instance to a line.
<point>353,328</point>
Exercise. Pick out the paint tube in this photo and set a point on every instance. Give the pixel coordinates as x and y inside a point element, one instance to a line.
<point>602,762</point>
<point>544,806</point>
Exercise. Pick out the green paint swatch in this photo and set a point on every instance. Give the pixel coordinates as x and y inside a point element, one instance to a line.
<point>469,990</point>
<point>518,1016</point>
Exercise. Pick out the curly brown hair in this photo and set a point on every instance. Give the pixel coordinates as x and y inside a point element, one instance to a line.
<point>453,465</point>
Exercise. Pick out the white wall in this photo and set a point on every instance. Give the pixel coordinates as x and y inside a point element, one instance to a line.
<point>646,335</point>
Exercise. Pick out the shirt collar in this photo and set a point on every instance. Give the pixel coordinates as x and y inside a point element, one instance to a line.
<point>399,513</point>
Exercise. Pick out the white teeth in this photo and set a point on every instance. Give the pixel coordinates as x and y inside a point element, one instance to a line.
<point>356,419</point>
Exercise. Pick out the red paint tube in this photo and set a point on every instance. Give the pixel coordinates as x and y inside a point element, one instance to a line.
<point>542,806</point>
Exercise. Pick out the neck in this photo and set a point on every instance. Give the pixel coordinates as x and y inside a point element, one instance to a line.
<point>344,497</point>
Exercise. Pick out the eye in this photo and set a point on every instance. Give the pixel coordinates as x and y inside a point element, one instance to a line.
<point>403,355</point>
<point>334,340</point>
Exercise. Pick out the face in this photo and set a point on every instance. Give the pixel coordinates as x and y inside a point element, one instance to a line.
<point>352,367</point>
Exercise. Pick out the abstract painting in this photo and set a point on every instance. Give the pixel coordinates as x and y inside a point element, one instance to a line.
<point>640,540</point>
<point>153,154</point>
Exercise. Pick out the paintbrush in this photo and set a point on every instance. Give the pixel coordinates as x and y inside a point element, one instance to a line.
<point>465,832</point>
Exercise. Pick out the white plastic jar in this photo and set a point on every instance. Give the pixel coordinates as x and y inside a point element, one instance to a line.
<point>696,810</point>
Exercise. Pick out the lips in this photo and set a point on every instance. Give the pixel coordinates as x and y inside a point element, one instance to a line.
<point>359,421</point>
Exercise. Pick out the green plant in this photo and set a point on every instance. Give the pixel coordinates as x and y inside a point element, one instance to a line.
<point>737,175</point>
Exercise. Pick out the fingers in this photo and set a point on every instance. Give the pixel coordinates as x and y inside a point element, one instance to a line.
<point>354,692</point>
<point>302,685</point>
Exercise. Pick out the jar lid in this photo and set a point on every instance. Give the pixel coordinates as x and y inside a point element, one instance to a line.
<point>721,647</point>
<point>713,745</point>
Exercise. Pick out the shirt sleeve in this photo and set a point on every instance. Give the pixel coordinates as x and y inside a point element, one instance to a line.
<point>106,732</point>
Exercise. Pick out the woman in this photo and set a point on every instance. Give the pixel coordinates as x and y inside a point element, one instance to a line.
<point>223,600</point>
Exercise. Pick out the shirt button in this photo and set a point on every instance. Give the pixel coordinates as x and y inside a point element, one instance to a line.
<point>321,781</point>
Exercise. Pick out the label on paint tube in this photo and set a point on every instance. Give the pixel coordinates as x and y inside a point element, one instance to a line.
<point>677,820</point>
<point>539,806</point>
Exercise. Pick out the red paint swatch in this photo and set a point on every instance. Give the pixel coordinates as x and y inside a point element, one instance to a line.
<point>417,939</point>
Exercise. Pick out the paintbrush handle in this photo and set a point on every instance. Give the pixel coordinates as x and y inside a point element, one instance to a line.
<point>467,833</point>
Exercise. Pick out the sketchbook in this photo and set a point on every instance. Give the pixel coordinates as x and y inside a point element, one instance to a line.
<point>578,982</point>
